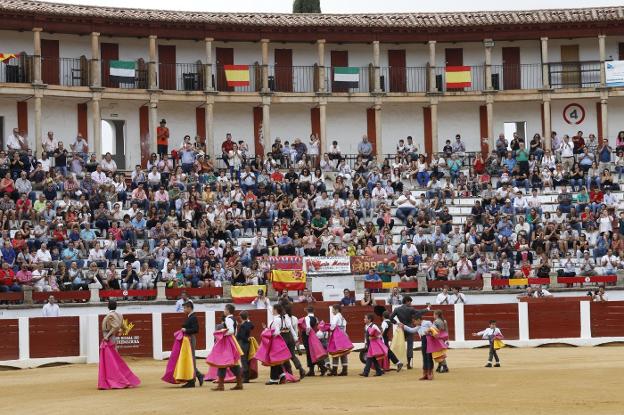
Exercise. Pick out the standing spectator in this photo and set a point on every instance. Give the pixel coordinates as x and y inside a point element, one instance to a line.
<point>226,147</point>
<point>162,138</point>
<point>51,308</point>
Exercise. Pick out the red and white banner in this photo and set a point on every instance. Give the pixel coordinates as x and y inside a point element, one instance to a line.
<point>327,265</point>
<point>285,263</point>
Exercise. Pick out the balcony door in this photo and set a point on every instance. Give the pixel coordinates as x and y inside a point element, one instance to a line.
<point>454,57</point>
<point>511,68</point>
<point>167,67</point>
<point>50,61</point>
<point>108,52</point>
<point>339,58</point>
<point>396,62</point>
<point>570,66</point>
<point>225,56</point>
<point>283,70</point>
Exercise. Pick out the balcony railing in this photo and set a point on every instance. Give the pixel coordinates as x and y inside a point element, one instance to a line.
<point>523,76</point>
<point>17,70</point>
<point>574,74</point>
<point>65,71</point>
<point>294,78</point>
<point>139,81</point>
<point>181,76</point>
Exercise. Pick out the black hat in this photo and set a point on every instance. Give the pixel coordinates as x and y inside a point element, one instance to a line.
<point>163,121</point>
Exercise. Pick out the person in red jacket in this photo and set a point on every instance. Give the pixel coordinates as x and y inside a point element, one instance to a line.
<point>8,282</point>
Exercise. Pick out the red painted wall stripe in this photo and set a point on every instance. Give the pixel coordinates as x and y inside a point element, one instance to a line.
<point>22,116</point>
<point>82,120</point>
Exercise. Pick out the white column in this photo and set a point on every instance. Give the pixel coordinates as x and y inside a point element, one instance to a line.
<point>38,129</point>
<point>321,64</point>
<point>488,64</point>
<point>605,118</point>
<point>585,309</point>
<point>266,125</point>
<point>209,113</point>
<point>96,72</point>
<point>83,324</point>
<point>208,66</point>
<point>265,65</point>
<point>547,124</point>
<point>151,65</point>
<point>153,122</point>
<point>323,126</point>
<point>24,338</point>
<point>432,64</point>
<point>545,73</point>
<point>157,346</point>
<point>523,321</point>
<point>459,323</point>
<point>603,58</point>
<point>37,55</point>
<point>96,119</point>
<point>93,338</point>
<point>376,85</point>
<point>211,322</point>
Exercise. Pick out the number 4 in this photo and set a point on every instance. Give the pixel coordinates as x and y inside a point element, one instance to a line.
<point>574,114</point>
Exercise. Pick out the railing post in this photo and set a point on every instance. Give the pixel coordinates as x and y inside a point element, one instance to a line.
<point>37,55</point>
<point>227,289</point>
<point>422,283</point>
<point>487,281</point>
<point>161,294</point>
<point>28,298</point>
<point>94,292</point>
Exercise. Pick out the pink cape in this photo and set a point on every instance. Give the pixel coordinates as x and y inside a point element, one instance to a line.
<point>113,373</point>
<point>338,343</point>
<point>376,347</point>
<point>317,351</point>
<point>173,358</point>
<point>273,351</point>
<point>212,374</point>
<point>225,353</point>
<point>437,343</point>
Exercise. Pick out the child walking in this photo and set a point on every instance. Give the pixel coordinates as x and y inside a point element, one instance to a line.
<point>438,341</point>
<point>423,328</point>
<point>386,326</point>
<point>494,336</point>
<point>338,346</point>
<point>375,347</point>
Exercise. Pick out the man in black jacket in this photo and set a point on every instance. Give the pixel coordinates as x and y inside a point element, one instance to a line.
<point>242,337</point>
<point>190,329</point>
<point>405,314</point>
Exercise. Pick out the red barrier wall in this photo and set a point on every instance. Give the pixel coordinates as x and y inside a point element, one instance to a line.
<point>477,317</point>
<point>137,341</point>
<point>554,320</point>
<point>607,319</point>
<point>54,336</point>
<point>257,317</point>
<point>172,322</point>
<point>9,346</point>
<point>355,320</point>
<point>321,310</point>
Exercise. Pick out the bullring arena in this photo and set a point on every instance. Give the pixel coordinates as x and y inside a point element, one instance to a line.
<point>268,212</point>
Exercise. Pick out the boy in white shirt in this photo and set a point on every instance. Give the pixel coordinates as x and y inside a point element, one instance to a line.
<point>491,333</point>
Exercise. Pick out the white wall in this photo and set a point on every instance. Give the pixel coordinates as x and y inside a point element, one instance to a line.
<point>462,118</point>
<point>397,122</point>
<point>245,53</point>
<point>60,117</point>
<point>14,42</point>
<point>530,112</point>
<point>71,46</point>
<point>588,48</point>
<point>612,46</point>
<point>181,120</point>
<point>8,110</point>
<point>290,121</point>
<point>346,124</point>
<point>589,124</point>
<point>236,119</point>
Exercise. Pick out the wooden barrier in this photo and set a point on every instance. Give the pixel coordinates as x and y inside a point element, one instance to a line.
<point>172,322</point>
<point>449,316</point>
<point>12,297</point>
<point>598,279</point>
<point>355,320</point>
<point>607,319</point>
<point>550,319</point>
<point>477,317</point>
<point>54,336</point>
<point>9,346</point>
<point>174,293</point>
<point>321,310</point>
<point>137,340</point>
<point>106,294</point>
<point>514,282</point>
<point>42,297</point>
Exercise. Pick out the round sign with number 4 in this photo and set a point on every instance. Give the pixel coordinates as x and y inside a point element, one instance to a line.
<point>574,114</point>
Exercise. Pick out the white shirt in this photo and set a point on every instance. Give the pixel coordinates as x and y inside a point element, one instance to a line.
<point>14,142</point>
<point>457,299</point>
<point>338,321</point>
<point>544,293</point>
<point>51,310</point>
<point>488,333</point>
<point>263,304</point>
<point>180,304</point>
<point>443,299</point>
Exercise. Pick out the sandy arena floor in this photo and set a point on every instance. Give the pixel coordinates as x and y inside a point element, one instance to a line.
<point>532,381</point>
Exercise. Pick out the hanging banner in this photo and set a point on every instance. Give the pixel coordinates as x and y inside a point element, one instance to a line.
<point>614,71</point>
<point>327,265</point>
<point>361,264</point>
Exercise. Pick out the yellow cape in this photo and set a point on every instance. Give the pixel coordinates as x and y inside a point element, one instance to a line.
<point>184,370</point>
<point>253,348</point>
<point>398,345</point>
<point>498,344</point>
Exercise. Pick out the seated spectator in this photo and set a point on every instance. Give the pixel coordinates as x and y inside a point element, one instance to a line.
<point>347,299</point>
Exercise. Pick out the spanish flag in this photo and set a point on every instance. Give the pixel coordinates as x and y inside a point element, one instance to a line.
<point>244,294</point>
<point>236,75</point>
<point>7,56</point>
<point>288,279</point>
<point>458,77</point>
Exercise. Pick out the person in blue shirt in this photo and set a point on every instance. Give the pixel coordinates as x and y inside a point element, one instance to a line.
<point>87,234</point>
<point>139,223</point>
<point>69,254</point>
<point>192,275</point>
<point>347,300</point>
<point>423,328</point>
<point>372,276</point>
<point>8,254</point>
<point>365,148</point>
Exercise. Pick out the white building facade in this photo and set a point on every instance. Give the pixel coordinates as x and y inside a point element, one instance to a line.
<point>530,72</point>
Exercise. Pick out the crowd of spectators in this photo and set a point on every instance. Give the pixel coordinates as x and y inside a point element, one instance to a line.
<point>69,220</point>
